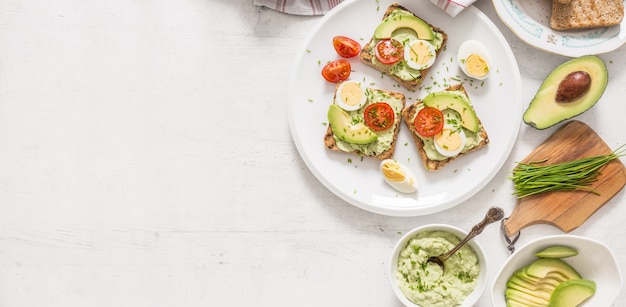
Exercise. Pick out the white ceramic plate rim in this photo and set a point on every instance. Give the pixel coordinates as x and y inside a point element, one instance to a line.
<point>609,285</point>
<point>482,262</point>
<point>357,180</point>
<point>537,32</point>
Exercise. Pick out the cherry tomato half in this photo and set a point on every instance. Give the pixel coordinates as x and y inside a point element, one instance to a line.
<point>346,47</point>
<point>389,51</point>
<point>429,121</point>
<point>379,116</point>
<point>336,71</point>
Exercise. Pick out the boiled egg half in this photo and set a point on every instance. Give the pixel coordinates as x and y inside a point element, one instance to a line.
<point>398,176</point>
<point>350,96</point>
<point>451,140</point>
<point>419,54</point>
<point>473,59</point>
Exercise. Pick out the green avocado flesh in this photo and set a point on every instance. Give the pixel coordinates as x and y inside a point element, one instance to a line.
<point>341,126</point>
<point>544,111</point>
<point>572,293</point>
<point>450,100</point>
<point>548,281</point>
<point>541,267</point>
<point>557,251</point>
<point>386,28</point>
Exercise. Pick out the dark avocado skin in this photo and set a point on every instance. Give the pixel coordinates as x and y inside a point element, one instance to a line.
<point>544,111</point>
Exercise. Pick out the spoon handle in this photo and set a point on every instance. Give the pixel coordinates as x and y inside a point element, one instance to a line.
<point>494,214</point>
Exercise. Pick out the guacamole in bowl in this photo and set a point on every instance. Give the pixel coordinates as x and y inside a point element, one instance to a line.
<point>417,282</point>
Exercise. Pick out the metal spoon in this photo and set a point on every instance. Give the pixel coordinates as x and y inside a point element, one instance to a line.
<point>494,214</point>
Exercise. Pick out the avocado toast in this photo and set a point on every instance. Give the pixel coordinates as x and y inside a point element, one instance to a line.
<point>349,132</point>
<point>457,110</point>
<point>401,25</point>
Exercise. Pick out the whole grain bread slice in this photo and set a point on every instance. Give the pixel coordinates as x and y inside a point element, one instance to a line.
<point>408,114</point>
<point>583,14</point>
<point>367,57</point>
<point>331,143</point>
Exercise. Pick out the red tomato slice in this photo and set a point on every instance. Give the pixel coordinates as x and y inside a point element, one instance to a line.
<point>336,71</point>
<point>346,47</point>
<point>429,121</point>
<point>379,116</point>
<point>389,51</point>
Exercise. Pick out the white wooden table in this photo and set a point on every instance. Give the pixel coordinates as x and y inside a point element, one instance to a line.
<point>146,160</point>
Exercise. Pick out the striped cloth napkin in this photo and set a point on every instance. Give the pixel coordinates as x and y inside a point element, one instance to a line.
<point>299,7</point>
<point>321,7</point>
<point>451,7</point>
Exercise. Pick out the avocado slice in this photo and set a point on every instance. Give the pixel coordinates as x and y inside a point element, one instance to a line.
<point>572,292</point>
<point>392,23</point>
<point>460,104</point>
<point>542,266</point>
<point>525,298</point>
<point>557,251</point>
<point>543,293</point>
<point>547,284</point>
<point>345,130</point>
<point>545,111</point>
<point>511,303</point>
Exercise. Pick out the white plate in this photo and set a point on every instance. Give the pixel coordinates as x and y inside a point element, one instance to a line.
<point>530,21</point>
<point>594,261</point>
<point>357,180</point>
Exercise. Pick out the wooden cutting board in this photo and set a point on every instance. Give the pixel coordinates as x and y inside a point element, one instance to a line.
<point>568,209</point>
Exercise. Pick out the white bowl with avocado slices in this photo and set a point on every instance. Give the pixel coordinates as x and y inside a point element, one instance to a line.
<point>543,271</point>
<point>416,282</point>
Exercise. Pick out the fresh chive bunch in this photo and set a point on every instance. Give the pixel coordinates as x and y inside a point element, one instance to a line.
<point>530,178</point>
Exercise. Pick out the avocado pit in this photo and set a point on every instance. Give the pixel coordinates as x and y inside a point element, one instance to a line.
<point>573,86</point>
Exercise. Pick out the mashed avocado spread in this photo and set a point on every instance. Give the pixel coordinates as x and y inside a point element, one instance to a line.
<point>425,283</point>
<point>403,35</point>
<point>385,137</point>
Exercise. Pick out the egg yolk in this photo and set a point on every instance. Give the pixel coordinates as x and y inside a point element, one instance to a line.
<point>420,53</point>
<point>393,172</point>
<point>351,93</point>
<point>476,65</point>
<point>448,140</point>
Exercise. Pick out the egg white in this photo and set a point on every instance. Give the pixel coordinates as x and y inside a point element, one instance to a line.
<point>452,124</point>
<point>454,152</point>
<point>468,48</point>
<point>415,65</point>
<point>408,185</point>
<point>350,107</point>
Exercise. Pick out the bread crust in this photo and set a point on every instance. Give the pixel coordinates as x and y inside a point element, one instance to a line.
<point>583,14</point>
<point>329,138</point>
<point>367,58</point>
<point>409,112</point>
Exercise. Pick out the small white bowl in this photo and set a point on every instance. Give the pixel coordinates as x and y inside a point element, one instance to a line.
<point>481,284</point>
<point>594,261</point>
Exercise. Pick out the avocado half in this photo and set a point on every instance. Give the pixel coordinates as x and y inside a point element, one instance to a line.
<point>545,111</point>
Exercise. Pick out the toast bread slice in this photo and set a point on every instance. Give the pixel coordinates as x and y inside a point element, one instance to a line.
<point>583,14</point>
<point>331,143</point>
<point>408,114</point>
<point>368,59</point>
